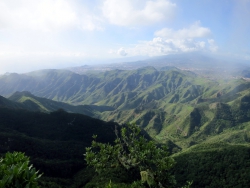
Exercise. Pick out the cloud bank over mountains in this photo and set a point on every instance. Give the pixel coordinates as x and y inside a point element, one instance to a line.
<point>167,41</point>
<point>57,29</point>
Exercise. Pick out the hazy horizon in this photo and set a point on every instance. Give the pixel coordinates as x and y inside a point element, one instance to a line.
<point>58,33</point>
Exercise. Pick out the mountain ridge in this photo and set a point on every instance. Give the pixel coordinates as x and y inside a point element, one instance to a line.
<point>171,105</point>
<point>34,103</point>
<point>205,121</point>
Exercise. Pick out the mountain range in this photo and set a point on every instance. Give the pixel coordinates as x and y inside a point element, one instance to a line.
<point>170,104</point>
<point>210,65</point>
<point>194,112</point>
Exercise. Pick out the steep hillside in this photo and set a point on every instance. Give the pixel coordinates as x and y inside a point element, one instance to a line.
<point>214,119</point>
<point>9,104</point>
<point>34,103</point>
<point>214,165</point>
<point>170,104</point>
<point>206,122</point>
<point>55,142</point>
<point>108,87</point>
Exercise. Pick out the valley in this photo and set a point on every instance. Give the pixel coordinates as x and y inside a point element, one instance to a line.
<point>191,112</point>
<point>170,104</point>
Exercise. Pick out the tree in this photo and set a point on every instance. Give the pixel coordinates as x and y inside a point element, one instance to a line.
<point>134,153</point>
<point>15,171</point>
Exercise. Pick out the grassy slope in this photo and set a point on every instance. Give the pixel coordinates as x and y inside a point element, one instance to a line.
<point>193,112</point>
<point>166,120</point>
<point>33,103</point>
<point>160,101</point>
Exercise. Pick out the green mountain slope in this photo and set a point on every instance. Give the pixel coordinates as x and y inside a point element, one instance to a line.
<point>34,103</point>
<point>55,142</point>
<point>214,165</point>
<point>170,104</point>
<point>9,104</point>
<point>208,119</point>
<point>215,113</point>
<point>66,86</point>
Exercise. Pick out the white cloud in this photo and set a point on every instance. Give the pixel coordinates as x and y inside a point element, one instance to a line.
<point>91,23</point>
<point>50,15</point>
<point>167,41</point>
<point>194,31</point>
<point>38,15</point>
<point>159,46</point>
<point>122,52</point>
<point>45,15</point>
<point>212,46</point>
<point>138,12</point>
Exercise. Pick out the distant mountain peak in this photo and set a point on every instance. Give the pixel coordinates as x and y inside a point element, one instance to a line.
<point>146,69</point>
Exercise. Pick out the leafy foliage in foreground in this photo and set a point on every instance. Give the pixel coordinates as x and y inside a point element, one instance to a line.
<point>15,171</point>
<point>133,155</point>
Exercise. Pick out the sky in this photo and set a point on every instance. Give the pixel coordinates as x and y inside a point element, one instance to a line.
<point>45,34</point>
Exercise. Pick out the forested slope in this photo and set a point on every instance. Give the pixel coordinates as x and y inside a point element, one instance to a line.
<point>206,122</point>
<point>214,165</point>
<point>170,104</point>
<point>55,142</point>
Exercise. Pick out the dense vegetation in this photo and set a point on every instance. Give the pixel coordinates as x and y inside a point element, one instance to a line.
<point>204,122</point>
<point>25,100</point>
<point>15,171</point>
<point>214,165</point>
<point>55,142</point>
<point>164,102</point>
<point>134,156</point>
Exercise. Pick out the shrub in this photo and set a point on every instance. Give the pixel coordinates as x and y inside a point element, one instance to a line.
<point>15,171</point>
<point>135,154</point>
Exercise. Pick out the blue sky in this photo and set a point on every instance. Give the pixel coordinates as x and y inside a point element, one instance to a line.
<point>62,33</point>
